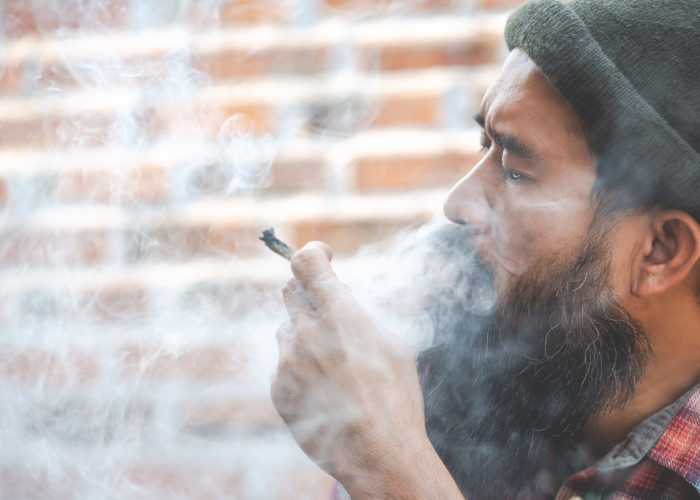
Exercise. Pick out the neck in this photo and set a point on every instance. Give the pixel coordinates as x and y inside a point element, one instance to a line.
<point>671,323</point>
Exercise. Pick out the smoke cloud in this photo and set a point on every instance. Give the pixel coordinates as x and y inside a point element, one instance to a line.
<point>138,308</point>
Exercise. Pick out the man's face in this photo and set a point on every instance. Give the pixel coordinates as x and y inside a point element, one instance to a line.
<point>528,199</point>
<point>510,387</point>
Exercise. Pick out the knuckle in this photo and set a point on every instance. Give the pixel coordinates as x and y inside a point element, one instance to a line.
<point>285,362</point>
<point>337,302</point>
<point>305,328</point>
<point>283,393</point>
<point>284,332</point>
<point>289,287</point>
<point>284,369</point>
<point>277,393</point>
<point>304,258</point>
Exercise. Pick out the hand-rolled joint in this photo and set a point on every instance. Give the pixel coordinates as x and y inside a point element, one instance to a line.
<point>276,245</point>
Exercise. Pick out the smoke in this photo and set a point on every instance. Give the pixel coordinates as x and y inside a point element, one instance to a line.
<point>411,283</point>
<point>135,351</point>
<point>509,391</point>
<point>137,308</point>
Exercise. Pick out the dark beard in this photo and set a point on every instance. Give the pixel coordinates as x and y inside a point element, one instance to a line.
<point>508,392</point>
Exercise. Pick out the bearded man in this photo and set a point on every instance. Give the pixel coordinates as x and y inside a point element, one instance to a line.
<point>583,380</point>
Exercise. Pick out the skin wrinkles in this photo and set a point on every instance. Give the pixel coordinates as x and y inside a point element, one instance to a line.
<point>547,210</point>
<point>508,142</point>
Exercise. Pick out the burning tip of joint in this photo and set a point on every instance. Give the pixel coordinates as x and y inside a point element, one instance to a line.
<point>276,245</point>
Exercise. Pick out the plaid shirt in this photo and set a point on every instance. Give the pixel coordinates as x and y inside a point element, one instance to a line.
<point>659,459</point>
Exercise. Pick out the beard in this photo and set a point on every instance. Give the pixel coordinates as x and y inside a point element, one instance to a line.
<point>508,392</point>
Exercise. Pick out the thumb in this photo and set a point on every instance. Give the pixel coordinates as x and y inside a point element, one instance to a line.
<point>311,266</point>
<point>324,247</point>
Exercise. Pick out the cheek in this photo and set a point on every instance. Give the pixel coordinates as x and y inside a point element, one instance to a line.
<point>518,242</point>
<point>525,234</point>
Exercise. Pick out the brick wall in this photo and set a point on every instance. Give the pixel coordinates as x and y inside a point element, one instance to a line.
<point>143,146</point>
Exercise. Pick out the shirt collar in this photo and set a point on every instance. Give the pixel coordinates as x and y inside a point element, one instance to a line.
<point>643,438</point>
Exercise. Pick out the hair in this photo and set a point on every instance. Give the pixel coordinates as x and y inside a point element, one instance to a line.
<point>508,393</point>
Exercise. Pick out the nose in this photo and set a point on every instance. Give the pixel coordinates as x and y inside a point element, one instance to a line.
<point>468,203</point>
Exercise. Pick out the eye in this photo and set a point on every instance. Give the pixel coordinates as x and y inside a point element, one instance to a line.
<point>515,176</point>
<point>511,175</point>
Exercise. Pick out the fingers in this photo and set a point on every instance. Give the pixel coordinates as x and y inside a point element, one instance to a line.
<point>284,388</point>
<point>295,367</point>
<point>312,267</point>
<point>324,247</point>
<point>285,333</point>
<point>296,341</point>
<point>295,298</point>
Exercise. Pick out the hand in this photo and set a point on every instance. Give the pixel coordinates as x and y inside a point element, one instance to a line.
<point>348,392</point>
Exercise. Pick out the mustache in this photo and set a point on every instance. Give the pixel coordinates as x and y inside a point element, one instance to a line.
<point>466,290</point>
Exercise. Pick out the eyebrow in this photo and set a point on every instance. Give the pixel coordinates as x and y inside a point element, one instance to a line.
<point>509,142</point>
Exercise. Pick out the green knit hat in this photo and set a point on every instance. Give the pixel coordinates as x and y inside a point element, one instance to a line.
<point>631,70</point>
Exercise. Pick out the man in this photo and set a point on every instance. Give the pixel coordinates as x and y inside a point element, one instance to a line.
<point>585,212</point>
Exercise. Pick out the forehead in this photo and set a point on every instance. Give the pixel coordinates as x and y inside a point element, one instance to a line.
<point>522,102</point>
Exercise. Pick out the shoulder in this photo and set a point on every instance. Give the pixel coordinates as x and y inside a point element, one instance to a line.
<point>678,448</point>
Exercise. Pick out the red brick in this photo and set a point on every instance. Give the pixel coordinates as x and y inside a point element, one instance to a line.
<point>499,4</point>
<point>17,19</point>
<point>220,414</point>
<point>412,171</point>
<point>208,363</point>
<point>413,109</point>
<point>182,242</point>
<point>24,132</point>
<point>115,304</point>
<point>96,72</point>
<point>223,240</point>
<point>185,479</point>
<point>230,63</point>
<point>229,300</point>
<point>481,49</point>
<point>338,117</point>
<point>178,118</point>
<point>81,15</point>
<point>85,130</point>
<point>303,481</point>
<point>260,116</point>
<point>3,192</point>
<point>10,79</point>
<point>58,74</point>
<point>147,183</point>
<point>372,8</point>
<point>18,482</point>
<point>348,236</point>
<point>292,175</point>
<point>256,11</point>
<point>212,179</point>
<point>8,309</point>
<point>36,366</point>
<point>42,248</point>
<point>298,60</point>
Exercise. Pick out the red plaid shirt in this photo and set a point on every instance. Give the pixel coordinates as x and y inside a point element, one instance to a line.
<point>659,459</point>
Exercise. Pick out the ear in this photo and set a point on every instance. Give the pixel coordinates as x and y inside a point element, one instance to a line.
<point>670,250</point>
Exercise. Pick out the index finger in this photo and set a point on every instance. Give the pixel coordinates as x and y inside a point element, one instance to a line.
<point>311,266</point>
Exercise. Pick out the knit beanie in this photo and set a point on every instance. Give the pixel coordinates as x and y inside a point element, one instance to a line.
<point>631,71</point>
